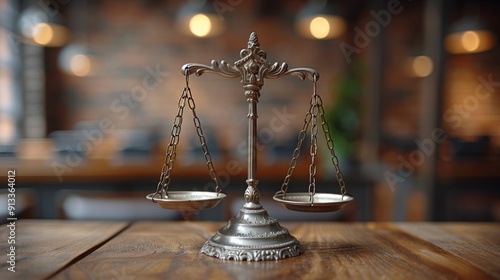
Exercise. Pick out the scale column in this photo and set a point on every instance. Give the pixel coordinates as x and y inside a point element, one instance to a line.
<point>251,235</point>
<point>252,193</point>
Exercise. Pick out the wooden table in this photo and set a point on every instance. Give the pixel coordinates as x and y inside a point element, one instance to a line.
<point>60,249</point>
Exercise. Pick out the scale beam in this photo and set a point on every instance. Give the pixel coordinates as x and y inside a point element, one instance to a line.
<point>253,69</point>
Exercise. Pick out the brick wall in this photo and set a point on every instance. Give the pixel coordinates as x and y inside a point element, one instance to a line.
<point>128,37</point>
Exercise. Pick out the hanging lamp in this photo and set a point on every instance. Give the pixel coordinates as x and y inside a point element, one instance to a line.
<point>469,35</point>
<point>41,29</point>
<point>198,18</point>
<point>318,19</point>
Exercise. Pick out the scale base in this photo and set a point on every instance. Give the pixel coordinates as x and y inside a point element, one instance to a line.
<point>252,235</point>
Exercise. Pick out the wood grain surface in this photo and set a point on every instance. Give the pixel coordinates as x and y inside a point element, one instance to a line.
<point>170,250</point>
<point>44,247</point>
<point>476,243</point>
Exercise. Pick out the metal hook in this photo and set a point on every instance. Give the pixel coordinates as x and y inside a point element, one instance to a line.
<point>186,73</point>
<point>315,82</point>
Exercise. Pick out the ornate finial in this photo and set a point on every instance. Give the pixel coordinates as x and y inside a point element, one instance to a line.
<point>253,42</point>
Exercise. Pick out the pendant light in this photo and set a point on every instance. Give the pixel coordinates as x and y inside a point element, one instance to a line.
<point>319,20</point>
<point>469,35</point>
<point>41,29</point>
<point>419,66</point>
<point>76,58</point>
<point>198,18</point>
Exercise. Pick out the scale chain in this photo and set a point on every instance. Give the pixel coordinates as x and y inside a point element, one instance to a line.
<point>316,108</point>
<point>330,145</point>
<point>168,164</point>
<point>203,142</point>
<point>296,152</point>
<point>171,150</point>
<point>313,150</point>
<point>329,141</point>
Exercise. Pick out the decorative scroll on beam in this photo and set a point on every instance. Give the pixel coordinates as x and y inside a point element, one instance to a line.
<point>225,69</point>
<point>252,67</point>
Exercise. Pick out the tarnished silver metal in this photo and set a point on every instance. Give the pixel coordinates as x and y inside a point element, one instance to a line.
<point>185,200</point>
<point>252,235</point>
<point>312,201</point>
<point>318,202</point>
<point>188,200</point>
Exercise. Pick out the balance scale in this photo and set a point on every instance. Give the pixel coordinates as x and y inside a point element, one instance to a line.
<point>252,235</point>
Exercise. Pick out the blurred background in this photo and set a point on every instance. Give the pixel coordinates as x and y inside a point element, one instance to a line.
<point>411,90</point>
